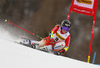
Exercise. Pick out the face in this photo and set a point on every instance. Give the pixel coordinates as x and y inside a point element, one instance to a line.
<point>64,31</point>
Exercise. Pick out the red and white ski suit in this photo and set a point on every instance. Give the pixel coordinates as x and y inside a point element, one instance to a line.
<point>59,37</point>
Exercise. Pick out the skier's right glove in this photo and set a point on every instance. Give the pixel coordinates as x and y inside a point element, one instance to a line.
<point>52,42</point>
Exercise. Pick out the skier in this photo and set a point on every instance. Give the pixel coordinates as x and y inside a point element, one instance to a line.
<point>58,38</point>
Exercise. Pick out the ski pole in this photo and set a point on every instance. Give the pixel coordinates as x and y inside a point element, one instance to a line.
<point>94,58</point>
<point>23,29</point>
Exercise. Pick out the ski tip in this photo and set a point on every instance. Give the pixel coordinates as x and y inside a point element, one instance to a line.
<point>17,42</point>
<point>5,20</point>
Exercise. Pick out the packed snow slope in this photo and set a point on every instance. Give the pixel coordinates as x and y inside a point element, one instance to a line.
<point>14,55</point>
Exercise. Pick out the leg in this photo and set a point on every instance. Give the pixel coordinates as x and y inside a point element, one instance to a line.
<point>45,42</point>
<point>59,46</point>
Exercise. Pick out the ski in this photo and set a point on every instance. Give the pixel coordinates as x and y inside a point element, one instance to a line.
<point>34,46</point>
<point>27,42</point>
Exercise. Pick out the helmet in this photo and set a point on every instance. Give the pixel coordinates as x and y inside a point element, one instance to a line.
<point>66,23</point>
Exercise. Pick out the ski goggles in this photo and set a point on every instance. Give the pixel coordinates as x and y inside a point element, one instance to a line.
<point>65,28</point>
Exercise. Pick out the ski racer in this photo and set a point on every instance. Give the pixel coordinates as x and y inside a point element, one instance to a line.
<point>59,38</point>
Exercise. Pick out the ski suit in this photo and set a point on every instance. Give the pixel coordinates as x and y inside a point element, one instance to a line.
<point>62,40</point>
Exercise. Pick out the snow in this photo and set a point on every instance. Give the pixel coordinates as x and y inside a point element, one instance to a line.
<point>14,55</point>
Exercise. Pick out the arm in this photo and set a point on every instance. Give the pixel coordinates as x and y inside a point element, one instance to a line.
<point>67,41</point>
<point>53,31</point>
<point>62,52</point>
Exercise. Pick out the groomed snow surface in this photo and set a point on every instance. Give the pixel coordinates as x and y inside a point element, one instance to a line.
<point>13,55</point>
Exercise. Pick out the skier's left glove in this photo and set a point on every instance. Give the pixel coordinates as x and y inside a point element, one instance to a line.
<point>61,52</point>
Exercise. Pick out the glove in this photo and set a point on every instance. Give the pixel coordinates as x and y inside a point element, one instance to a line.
<point>52,42</point>
<point>61,52</point>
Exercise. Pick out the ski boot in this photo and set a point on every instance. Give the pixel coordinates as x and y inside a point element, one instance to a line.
<point>25,41</point>
<point>44,48</point>
<point>34,45</point>
<point>56,53</point>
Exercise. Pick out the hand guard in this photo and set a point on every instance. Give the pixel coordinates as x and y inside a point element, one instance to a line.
<point>51,35</point>
<point>61,52</point>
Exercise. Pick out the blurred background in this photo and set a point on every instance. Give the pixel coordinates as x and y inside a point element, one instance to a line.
<point>40,16</point>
